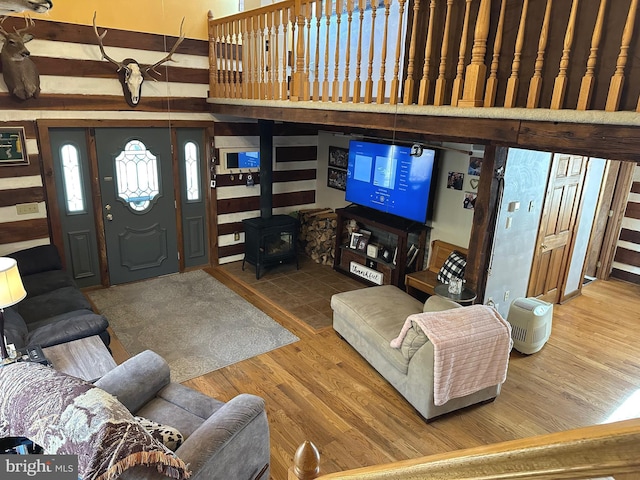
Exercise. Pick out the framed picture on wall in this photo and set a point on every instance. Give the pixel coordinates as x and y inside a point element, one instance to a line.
<point>12,147</point>
<point>337,179</point>
<point>338,157</point>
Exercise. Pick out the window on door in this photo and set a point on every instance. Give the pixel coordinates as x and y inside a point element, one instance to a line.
<point>72,179</point>
<point>137,175</point>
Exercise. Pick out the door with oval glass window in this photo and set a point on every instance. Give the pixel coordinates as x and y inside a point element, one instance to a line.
<point>138,202</point>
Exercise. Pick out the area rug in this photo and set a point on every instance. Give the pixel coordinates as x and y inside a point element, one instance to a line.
<point>191,319</point>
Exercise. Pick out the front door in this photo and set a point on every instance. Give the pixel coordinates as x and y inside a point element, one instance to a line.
<point>559,213</point>
<point>138,202</point>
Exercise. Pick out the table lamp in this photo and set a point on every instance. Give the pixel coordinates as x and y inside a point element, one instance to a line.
<point>11,292</point>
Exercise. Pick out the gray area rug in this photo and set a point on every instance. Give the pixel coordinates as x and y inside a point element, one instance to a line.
<point>192,320</point>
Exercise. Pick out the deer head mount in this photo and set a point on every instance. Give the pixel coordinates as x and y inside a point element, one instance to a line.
<point>132,73</point>
<point>18,70</point>
<point>16,6</point>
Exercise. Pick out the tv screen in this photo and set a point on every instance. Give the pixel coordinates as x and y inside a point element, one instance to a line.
<point>389,179</point>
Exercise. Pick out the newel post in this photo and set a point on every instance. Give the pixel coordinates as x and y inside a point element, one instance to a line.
<point>306,463</point>
<point>473,93</point>
<point>299,77</point>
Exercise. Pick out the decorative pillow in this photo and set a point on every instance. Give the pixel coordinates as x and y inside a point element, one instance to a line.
<point>413,340</point>
<point>170,437</point>
<point>66,415</point>
<point>453,266</point>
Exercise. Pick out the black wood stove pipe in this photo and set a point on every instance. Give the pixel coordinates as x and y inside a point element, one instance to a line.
<point>266,168</point>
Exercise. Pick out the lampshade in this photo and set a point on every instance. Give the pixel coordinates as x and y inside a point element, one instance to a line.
<point>11,288</point>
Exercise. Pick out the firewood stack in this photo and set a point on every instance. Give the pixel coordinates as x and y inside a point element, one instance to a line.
<point>318,234</point>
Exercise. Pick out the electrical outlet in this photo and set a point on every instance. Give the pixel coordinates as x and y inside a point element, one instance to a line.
<point>506,295</point>
<point>27,208</point>
<point>490,302</point>
<point>236,236</point>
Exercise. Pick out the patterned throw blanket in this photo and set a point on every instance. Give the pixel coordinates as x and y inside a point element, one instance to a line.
<point>66,415</point>
<point>471,347</point>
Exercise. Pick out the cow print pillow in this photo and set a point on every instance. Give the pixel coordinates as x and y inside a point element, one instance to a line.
<point>169,436</point>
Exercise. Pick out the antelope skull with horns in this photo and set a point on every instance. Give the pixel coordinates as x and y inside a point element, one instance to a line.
<point>132,73</point>
<point>16,6</point>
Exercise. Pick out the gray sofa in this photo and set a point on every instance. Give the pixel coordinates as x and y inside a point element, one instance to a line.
<point>55,311</point>
<point>369,318</point>
<point>223,441</point>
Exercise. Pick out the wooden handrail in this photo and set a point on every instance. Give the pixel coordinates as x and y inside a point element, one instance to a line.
<point>588,452</point>
<point>313,50</point>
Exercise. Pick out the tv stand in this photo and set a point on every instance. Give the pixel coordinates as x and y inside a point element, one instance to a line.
<point>390,234</point>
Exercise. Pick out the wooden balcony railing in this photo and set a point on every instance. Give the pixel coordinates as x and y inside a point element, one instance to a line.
<point>536,54</point>
<point>609,450</point>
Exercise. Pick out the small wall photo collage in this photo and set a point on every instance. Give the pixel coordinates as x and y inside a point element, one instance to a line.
<point>337,172</point>
<point>455,181</point>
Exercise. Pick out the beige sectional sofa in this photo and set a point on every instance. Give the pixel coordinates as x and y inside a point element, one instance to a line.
<point>368,319</point>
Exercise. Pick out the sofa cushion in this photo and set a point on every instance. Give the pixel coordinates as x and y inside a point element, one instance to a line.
<point>53,303</point>
<point>15,329</point>
<point>378,313</point>
<point>436,303</point>
<point>169,436</point>
<point>415,337</point>
<point>66,327</point>
<point>453,266</point>
<point>37,259</point>
<point>43,282</point>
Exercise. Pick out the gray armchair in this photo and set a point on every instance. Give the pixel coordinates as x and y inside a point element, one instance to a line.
<point>222,440</point>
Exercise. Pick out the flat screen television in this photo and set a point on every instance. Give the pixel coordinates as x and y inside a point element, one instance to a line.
<point>390,179</point>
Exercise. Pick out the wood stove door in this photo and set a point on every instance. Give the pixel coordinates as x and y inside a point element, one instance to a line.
<point>138,202</point>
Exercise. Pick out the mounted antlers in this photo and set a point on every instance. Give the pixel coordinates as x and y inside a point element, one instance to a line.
<point>16,6</point>
<point>132,73</point>
<point>18,70</point>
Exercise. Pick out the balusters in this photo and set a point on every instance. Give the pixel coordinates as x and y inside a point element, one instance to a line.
<point>299,77</point>
<point>586,86</point>
<point>246,58</point>
<point>284,90</point>
<point>276,55</point>
<point>213,56</point>
<point>227,61</point>
<point>268,48</point>
<point>382,84</point>
<point>560,84</point>
<point>492,81</point>
<point>456,92</point>
<point>325,82</point>
<point>236,60</point>
<point>346,83</point>
<point>258,56</point>
<point>335,88</point>
<point>512,83</point>
<point>357,84</point>
<point>395,81</point>
<point>476,70</point>
<point>423,93</point>
<point>535,86</point>
<point>409,83</point>
<point>306,93</point>
<point>438,97</point>
<point>316,70</point>
<point>617,80</point>
<point>368,86</point>
<point>262,54</point>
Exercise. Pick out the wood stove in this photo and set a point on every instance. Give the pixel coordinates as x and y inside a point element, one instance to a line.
<point>270,241</point>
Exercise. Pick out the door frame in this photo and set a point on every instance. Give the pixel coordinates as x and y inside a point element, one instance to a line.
<point>53,211</point>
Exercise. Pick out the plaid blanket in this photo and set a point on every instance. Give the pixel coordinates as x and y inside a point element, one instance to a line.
<point>66,415</point>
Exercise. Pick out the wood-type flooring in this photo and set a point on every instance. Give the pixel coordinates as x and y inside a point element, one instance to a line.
<point>320,389</point>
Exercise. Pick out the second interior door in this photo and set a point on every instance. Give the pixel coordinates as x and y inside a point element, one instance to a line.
<point>138,202</point>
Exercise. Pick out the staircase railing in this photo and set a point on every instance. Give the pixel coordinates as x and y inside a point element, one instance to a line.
<point>569,54</point>
<point>589,452</point>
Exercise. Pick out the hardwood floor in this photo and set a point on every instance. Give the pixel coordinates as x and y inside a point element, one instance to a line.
<point>320,389</point>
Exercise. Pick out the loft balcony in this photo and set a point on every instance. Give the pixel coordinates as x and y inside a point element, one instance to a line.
<point>533,74</point>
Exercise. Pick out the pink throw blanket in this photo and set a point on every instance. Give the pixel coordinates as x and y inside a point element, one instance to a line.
<point>471,349</point>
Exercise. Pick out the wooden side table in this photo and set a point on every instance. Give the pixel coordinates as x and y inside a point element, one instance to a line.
<point>87,358</point>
